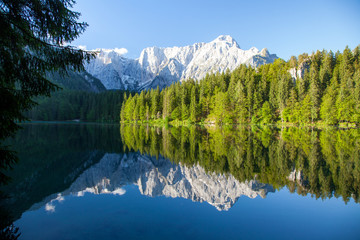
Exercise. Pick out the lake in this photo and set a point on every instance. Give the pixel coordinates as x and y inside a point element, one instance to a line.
<point>92,181</point>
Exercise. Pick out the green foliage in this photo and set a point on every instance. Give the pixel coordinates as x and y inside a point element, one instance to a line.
<point>328,108</point>
<point>266,113</point>
<point>221,107</point>
<point>326,162</point>
<point>327,90</point>
<point>176,114</point>
<point>193,105</point>
<point>84,106</point>
<point>32,37</point>
<point>305,110</point>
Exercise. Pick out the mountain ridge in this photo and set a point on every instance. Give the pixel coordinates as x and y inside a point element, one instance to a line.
<point>79,81</point>
<point>162,66</point>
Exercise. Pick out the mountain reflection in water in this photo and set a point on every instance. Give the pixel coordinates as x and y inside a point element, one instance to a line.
<point>323,163</point>
<point>159,177</point>
<point>214,165</point>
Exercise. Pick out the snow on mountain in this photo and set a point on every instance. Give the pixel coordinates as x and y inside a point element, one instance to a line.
<point>163,66</point>
<point>159,177</point>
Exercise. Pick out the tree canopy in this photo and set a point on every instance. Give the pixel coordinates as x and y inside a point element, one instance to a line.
<point>318,88</point>
<point>34,40</point>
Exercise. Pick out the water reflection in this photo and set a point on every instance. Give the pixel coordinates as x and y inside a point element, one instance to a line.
<point>323,163</point>
<point>159,177</point>
<point>211,165</point>
<point>51,157</point>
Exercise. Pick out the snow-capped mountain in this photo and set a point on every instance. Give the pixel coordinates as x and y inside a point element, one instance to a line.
<point>163,66</point>
<point>159,177</point>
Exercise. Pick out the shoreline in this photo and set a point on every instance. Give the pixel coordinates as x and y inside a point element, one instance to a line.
<point>162,123</point>
<point>211,125</point>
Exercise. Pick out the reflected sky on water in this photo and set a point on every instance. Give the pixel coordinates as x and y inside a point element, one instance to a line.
<point>92,182</point>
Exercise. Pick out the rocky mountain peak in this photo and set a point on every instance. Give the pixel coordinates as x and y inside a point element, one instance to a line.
<point>264,52</point>
<point>227,39</point>
<point>163,66</point>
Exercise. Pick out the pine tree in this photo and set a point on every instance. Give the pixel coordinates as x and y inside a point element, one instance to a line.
<point>122,113</point>
<point>155,103</point>
<point>314,91</point>
<point>240,97</point>
<point>32,34</point>
<point>167,106</point>
<point>176,114</point>
<point>264,86</point>
<point>325,73</point>
<point>266,115</point>
<point>293,107</point>
<point>250,87</point>
<point>345,102</point>
<point>136,109</point>
<point>147,112</point>
<point>283,93</point>
<point>273,93</point>
<point>184,104</point>
<point>328,109</point>
<point>193,105</point>
<point>356,94</point>
<point>293,62</point>
<point>129,108</point>
<point>221,107</point>
<point>305,110</point>
<point>141,103</point>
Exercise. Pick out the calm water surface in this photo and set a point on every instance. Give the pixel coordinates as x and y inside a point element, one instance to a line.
<point>77,181</point>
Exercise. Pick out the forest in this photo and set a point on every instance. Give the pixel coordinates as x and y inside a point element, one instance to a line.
<point>325,162</point>
<point>81,105</point>
<point>324,88</point>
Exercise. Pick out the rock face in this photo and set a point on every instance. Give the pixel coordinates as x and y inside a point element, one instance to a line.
<point>298,177</point>
<point>298,73</point>
<point>81,81</point>
<point>163,66</point>
<point>162,178</point>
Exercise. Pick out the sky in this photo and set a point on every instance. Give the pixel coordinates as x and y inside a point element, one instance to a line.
<point>285,28</point>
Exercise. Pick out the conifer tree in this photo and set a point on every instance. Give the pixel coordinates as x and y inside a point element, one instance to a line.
<point>266,115</point>
<point>34,36</point>
<point>193,105</point>
<point>122,112</point>
<point>155,102</point>
<point>184,104</point>
<point>283,93</point>
<point>326,90</point>
<point>314,91</point>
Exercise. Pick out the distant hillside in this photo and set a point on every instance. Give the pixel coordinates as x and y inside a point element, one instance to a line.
<point>82,97</point>
<point>81,81</point>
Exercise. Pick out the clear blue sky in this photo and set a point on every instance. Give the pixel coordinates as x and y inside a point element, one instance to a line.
<point>284,27</point>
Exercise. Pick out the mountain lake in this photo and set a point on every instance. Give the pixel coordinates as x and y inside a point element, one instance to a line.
<point>97,181</point>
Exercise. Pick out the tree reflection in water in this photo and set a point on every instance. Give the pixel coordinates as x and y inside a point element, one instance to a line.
<point>324,163</point>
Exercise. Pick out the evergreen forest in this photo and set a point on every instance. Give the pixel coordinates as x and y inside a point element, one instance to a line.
<point>321,88</point>
<point>80,105</point>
